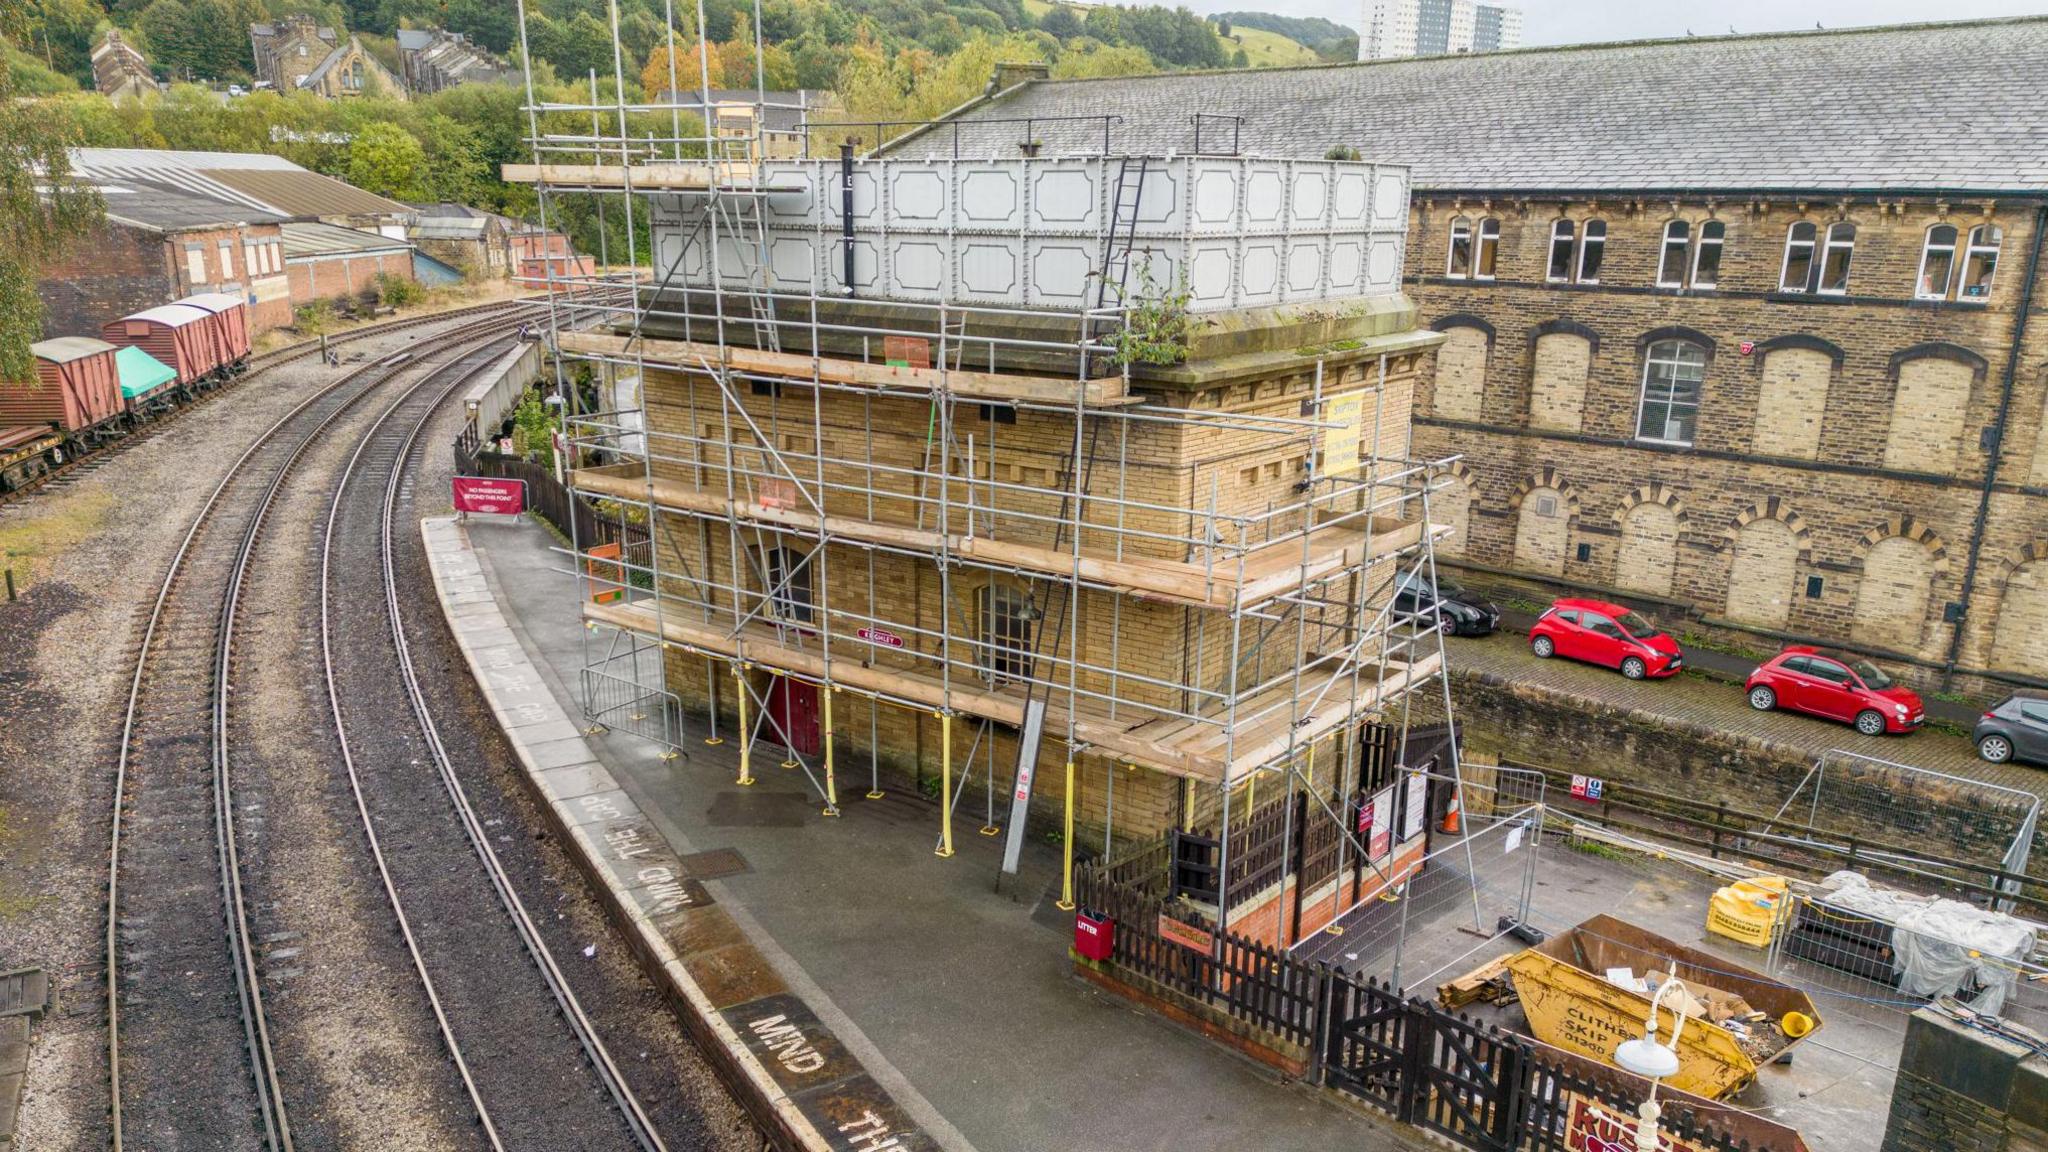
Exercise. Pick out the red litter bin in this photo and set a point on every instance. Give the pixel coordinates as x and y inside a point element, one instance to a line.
<point>1094,935</point>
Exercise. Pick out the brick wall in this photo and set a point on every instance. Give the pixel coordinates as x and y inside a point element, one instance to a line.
<point>1840,416</point>
<point>121,269</point>
<point>330,277</point>
<point>1963,1089</point>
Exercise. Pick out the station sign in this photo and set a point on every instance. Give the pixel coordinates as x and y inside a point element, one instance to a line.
<point>490,495</point>
<point>881,636</point>
<point>1591,1126</point>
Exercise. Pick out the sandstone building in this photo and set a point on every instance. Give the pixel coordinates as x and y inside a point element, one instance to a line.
<point>119,72</point>
<point>1744,330</point>
<point>431,59</point>
<point>298,52</point>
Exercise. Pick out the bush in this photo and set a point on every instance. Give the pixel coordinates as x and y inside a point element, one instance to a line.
<point>314,318</point>
<point>399,292</point>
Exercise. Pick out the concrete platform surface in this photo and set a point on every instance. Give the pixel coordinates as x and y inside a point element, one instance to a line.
<point>955,994</point>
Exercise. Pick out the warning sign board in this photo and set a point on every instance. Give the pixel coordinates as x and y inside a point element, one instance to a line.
<point>1342,432</point>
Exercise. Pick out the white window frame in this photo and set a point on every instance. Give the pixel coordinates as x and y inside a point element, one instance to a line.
<point>1486,249</point>
<point>195,264</point>
<point>1566,230</point>
<point>1927,249</point>
<point>1812,246</point>
<point>1589,242</point>
<point>1970,253</point>
<point>1682,240</point>
<point>1461,230</point>
<point>1718,242</point>
<point>1827,253</point>
<point>227,260</point>
<point>1650,359</point>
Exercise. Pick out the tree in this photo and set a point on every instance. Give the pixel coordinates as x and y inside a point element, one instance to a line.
<point>1092,58</point>
<point>66,35</point>
<point>1223,26</point>
<point>688,75</point>
<point>42,211</point>
<point>1061,22</point>
<point>386,159</point>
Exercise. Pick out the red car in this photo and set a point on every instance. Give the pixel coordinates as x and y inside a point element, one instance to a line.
<point>1837,686</point>
<point>1605,634</point>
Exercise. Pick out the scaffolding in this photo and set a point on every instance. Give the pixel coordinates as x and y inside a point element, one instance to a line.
<point>873,472</point>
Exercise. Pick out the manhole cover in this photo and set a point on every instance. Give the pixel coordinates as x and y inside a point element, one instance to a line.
<point>717,863</point>
<point>24,992</point>
<point>758,810</point>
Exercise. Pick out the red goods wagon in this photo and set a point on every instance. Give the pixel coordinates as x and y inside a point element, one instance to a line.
<point>177,334</point>
<point>230,323</point>
<point>77,388</point>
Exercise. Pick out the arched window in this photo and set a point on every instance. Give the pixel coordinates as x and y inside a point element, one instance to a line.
<point>1980,262</point>
<point>1670,405</point>
<point>1007,616</point>
<point>1671,265</point>
<point>1798,271</point>
<point>1562,235</point>
<point>1706,256</point>
<point>1489,249</point>
<point>1834,264</point>
<point>788,576</point>
<point>1592,247</point>
<point>1458,264</point>
<point>1937,263</point>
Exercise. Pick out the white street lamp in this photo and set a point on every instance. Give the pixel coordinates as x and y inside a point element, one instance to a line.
<point>1653,1061</point>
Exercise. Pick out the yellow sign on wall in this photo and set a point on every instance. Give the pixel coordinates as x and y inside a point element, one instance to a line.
<point>1342,433</point>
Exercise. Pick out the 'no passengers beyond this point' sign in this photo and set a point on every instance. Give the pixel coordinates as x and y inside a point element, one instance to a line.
<point>486,494</point>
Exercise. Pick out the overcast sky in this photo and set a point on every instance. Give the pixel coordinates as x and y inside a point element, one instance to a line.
<point>1577,21</point>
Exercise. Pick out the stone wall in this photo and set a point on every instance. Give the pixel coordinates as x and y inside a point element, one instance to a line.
<point>1966,1090</point>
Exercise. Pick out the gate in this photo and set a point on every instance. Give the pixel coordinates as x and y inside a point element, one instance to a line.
<point>1368,1050</point>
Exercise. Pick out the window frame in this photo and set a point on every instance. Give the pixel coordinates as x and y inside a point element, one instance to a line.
<point>1650,360</point>
<point>1810,244</point>
<point>1486,248</point>
<point>1701,242</point>
<point>1679,233</point>
<point>1006,659</point>
<point>1588,241</point>
<point>1461,233</point>
<point>1969,255</point>
<point>1927,249</point>
<point>789,587</point>
<point>1565,230</point>
<point>1827,257</point>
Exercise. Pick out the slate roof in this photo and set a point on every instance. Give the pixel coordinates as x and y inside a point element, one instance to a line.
<point>1934,107</point>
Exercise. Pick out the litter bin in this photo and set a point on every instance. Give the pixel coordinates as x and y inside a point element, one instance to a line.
<point>1094,935</point>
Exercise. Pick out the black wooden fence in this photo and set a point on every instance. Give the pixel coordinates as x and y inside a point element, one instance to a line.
<point>1472,1083</point>
<point>572,515</point>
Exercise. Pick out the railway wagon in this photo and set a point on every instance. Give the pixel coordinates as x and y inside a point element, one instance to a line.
<point>178,335</point>
<point>146,382</point>
<point>26,452</point>
<point>230,325</point>
<point>77,390</point>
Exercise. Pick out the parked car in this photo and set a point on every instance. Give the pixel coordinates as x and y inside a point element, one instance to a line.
<point>1835,685</point>
<point>1461,612</point>
<point>1605,634</point>
<point>2015,730</point>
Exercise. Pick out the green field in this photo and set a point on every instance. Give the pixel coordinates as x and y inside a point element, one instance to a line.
<point>1264,49</point>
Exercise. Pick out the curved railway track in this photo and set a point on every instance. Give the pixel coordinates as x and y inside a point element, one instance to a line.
<point>527,1089</point>
<point>199,1069</point>
<point>86,462</point>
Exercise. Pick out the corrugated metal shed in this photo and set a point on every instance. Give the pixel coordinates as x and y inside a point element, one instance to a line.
<point>163,207</point>
<point>303,193</point>
<point>305,240</point>
<point>254,180</point>
<point>448,228</point>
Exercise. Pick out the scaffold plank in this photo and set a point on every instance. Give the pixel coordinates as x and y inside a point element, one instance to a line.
<point>735,176</point>
<point>690,354</point>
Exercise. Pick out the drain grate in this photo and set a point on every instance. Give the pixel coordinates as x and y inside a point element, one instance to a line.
<point>715,864</point>
<point>24,992</point>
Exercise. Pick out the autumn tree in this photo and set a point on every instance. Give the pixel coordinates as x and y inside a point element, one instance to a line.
<point>42,211</point>
<point>688,74</point>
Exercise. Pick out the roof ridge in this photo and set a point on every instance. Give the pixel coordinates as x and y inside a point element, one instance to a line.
<point>1542,49</point>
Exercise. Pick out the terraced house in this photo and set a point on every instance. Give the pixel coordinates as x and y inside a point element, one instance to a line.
<point>1745,330</point>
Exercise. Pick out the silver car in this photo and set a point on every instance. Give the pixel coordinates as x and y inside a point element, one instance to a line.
<point>2015,730</point>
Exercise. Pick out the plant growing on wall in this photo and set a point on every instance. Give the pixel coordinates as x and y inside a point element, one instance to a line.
<point>1155,327</point>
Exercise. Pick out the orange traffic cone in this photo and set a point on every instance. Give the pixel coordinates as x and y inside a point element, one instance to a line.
<point>1452,818</point>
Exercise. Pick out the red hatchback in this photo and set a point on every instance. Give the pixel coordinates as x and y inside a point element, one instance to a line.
<point>1605,634</point>
<point>1837,686</point>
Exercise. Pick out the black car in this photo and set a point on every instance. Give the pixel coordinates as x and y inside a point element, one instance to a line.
<point>2017,729</point>
<point>1461,612</point>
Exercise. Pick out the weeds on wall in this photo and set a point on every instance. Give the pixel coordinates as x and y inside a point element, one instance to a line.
<point>1156,323</point>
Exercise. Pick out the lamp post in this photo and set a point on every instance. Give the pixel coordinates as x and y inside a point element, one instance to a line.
<point>1653,1061</point>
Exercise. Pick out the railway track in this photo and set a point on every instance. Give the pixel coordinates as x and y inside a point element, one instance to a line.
<point>531,1060</point>
<point>83,465</point>
<point>189,1055</point>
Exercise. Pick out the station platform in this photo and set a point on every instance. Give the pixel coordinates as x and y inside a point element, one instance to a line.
<point>952,994</point>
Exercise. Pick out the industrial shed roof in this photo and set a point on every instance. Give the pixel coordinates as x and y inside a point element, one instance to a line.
<point>310,240</point>
<point>255,180</point>
<point>1955,107</point>
<point>162,207</point>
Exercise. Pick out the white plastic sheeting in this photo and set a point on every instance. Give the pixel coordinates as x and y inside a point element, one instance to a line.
<point>1027,232</point>
<point>1941,946</point>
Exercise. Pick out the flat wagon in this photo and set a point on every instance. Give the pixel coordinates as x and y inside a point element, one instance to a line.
<point>230,325</point>
<point>77,391</point>
<point>178,335</point>
<point>26,452</point>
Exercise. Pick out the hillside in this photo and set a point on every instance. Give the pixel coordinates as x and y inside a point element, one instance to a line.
<point>1263,49</point>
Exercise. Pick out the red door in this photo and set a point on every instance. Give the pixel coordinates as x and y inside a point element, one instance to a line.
<point>1829,690</point>
<point>1600,640</point>
<point>793,708</point>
